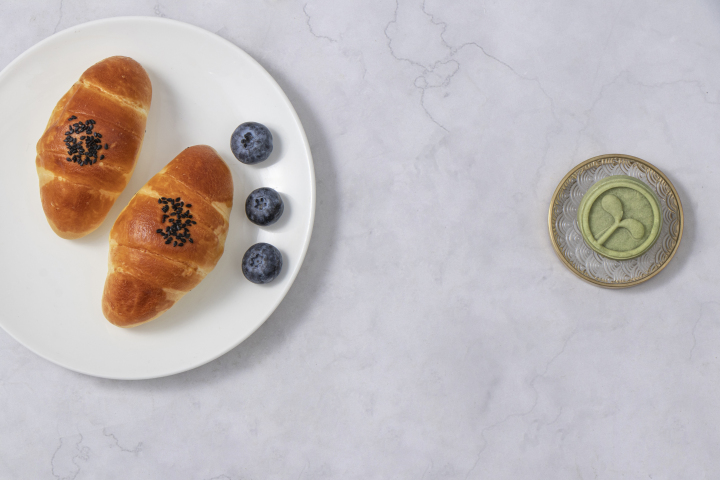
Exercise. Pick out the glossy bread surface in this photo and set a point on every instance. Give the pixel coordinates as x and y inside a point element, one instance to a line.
<point>147,273</point>
<point>115,94</point>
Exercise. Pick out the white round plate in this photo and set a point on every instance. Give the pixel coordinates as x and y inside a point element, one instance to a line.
<point>203,87</point>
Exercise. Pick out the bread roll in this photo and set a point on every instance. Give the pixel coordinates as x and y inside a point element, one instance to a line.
<point>171,234</point>
<point>87,154</point>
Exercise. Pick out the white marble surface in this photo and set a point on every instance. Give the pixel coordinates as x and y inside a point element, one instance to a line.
<point>432,333</point>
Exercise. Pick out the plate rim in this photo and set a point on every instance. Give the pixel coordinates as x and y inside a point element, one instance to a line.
<point>307,234</point>
<point>570,266</point>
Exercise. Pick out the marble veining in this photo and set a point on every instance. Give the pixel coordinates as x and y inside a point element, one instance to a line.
<point>432,333</point>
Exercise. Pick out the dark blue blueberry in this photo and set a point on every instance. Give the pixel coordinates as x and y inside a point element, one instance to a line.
<point>262,263</point>
<point>251,143</point>
<point>264,206</point>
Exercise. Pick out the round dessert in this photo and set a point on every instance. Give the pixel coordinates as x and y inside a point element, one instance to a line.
<point>264,206</point>
<point>262,263</point>
<point>620,217</point>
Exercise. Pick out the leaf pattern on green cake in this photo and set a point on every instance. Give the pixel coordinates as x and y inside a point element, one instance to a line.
<point>612,205</point>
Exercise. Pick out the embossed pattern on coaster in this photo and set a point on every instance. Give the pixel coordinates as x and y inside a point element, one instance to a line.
<point>619,217</point>
<point>567,239</point>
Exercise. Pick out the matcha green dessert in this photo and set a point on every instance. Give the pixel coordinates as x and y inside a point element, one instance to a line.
<point>620,217</point>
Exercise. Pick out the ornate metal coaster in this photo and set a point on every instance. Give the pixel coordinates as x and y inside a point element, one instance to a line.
<point>615,221</point>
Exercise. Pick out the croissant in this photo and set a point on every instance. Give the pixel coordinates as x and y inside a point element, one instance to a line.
<point>168,238</point>
<point>88,152</point>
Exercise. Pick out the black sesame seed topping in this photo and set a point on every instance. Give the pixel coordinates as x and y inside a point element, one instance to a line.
<point>177,232</point>
<point>84,148</point>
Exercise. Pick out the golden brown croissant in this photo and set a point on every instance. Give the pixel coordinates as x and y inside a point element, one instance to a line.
<point>87,154</point>
<point>171,234</point>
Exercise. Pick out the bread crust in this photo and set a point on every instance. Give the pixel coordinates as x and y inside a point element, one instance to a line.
<point>115,93</point>
<point>147,275</point>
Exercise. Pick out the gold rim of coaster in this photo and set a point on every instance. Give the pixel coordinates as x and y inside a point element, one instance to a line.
<point>571,178</point>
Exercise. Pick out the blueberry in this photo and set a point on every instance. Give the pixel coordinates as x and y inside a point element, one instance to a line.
<point>264,206</point>
<point>251,143</point>
<point>262,263</point>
